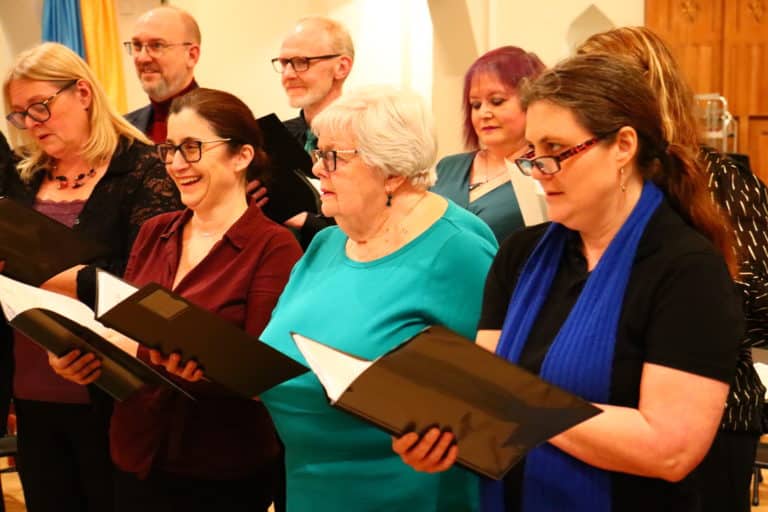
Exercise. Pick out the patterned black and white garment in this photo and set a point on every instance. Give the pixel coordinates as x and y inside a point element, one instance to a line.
<point>745,198</point>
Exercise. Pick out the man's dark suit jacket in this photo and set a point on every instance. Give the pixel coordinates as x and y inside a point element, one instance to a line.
<point>140,118</point>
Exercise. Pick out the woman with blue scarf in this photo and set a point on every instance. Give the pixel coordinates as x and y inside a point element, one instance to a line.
<point>625,299</point>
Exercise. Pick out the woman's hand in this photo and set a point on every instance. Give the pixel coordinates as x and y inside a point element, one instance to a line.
<point>172,365</point>
<point>432,453</point>
<point>76,368</point>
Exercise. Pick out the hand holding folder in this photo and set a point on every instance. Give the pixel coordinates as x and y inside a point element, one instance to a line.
<point>496,410</point>
<point>61,324</point>
<point>161,319</point>
<point>152,316</point>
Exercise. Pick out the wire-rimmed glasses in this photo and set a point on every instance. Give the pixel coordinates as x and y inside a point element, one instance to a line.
<point>154,48</point>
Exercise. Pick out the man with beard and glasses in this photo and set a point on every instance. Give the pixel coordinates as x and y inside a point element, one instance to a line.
<point>165,48</point>
<point>314,61</point>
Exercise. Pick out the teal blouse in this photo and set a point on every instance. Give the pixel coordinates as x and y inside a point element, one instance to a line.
<point>335,461</point>
<point>498,208</point>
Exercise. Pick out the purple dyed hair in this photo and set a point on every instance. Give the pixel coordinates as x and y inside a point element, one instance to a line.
<point>510,65</point>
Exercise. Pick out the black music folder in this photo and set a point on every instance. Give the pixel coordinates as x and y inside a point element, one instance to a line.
<point>289,190</point>
<point>496,410</point>
<point>161,319</point>
<point>60,324</point>
<point>36,247</point>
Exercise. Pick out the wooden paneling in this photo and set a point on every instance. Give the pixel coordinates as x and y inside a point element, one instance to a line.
<point>758,142</point>
<point>722,47</point>
<point>694,31</point>
<point>745,65</point>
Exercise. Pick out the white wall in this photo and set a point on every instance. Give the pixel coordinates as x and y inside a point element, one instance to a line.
<point>393,40</point>
<point>542,26</point>
<point>239,40</point>
<point>426,45</point>
<point>20,28</point>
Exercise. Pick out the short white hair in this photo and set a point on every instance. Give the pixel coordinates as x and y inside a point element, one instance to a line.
<point>392,128</point>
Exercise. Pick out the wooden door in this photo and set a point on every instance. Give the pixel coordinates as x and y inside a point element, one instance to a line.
<point>745,76</point>
<point>694,31</point>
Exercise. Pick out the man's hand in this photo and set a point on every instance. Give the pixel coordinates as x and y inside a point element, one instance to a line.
<point>258,193</point>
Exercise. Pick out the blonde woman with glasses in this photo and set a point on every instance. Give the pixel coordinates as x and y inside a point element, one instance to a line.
<point>85,166</point>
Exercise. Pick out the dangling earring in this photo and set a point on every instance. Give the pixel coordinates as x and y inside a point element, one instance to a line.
<point>389,199</point>
<point>622,186</point>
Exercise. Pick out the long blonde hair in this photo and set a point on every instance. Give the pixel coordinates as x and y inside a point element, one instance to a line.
<point>646,50</point>
<point>55,63</point>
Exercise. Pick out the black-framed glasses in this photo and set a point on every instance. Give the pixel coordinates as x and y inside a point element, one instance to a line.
<point>191,150</point>
<point>38,111</point>
<point>550,164</point>
<point>154,48</point>
<point>299,63</point>
<point>329,157</point>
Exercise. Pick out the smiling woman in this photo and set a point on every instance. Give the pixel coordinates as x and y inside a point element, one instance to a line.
<point>401,258</point>
<point>82,164</point>
<point>219,452</point>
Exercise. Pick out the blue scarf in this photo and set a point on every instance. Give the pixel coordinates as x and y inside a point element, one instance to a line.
<point>579,360</point>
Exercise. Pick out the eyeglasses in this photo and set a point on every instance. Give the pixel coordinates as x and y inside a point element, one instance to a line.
<point>329,157</point>
<point>299,63</point>
<point>39,111</point>
<point>550,164</point>
<point>154,48</point>
<point>191,150</point>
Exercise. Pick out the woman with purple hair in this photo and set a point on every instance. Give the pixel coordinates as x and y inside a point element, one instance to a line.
<point>494,129</point>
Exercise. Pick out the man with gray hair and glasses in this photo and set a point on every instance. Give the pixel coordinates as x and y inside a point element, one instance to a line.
<point>165,47</point>
<point>315,59</point>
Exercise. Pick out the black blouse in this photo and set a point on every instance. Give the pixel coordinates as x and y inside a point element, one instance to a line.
<point>134,188</point>
<point>680,310</point>
<point>745,199</point>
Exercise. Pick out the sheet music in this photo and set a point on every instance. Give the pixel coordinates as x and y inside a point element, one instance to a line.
<point>17,297</point>
<point>530,195</point>
<point>335,370</point>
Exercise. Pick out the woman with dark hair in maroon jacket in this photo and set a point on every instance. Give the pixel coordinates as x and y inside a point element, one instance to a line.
<point>220,452</point>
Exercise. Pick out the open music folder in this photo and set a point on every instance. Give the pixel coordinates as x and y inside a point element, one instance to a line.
<point>496,410</point>
<point>290,190</point>
<point>60,324</point>
<point>161,319</point>
<point>36,247</point>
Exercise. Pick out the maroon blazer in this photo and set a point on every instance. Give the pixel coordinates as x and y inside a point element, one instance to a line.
<point>220,436</point>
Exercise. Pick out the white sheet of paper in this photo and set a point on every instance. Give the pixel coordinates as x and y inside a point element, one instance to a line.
<point>17,297</point>
<point>111,291</point>
<point>762,372</point>
<point>315,183</point>
<point>335,370</point>
<point>530,195</point>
